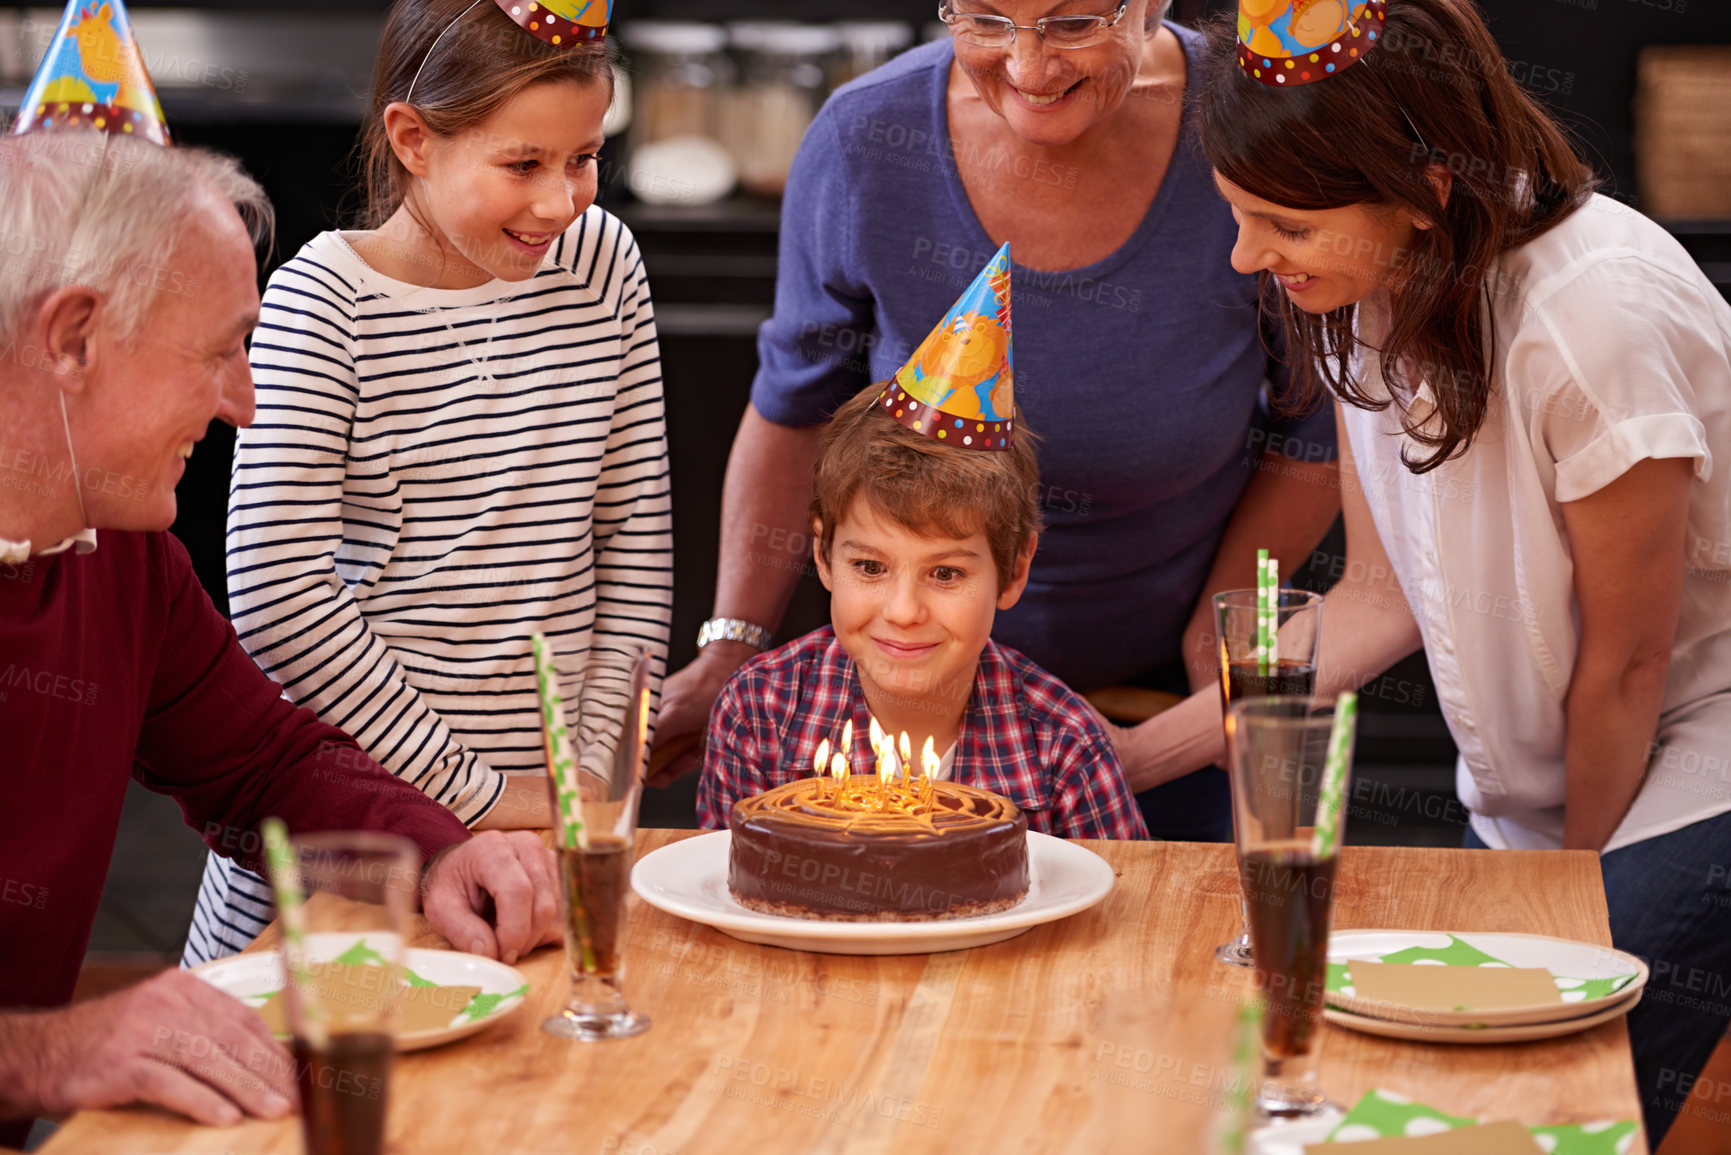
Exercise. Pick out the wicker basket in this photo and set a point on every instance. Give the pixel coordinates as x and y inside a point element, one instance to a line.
<point>1683,132</point>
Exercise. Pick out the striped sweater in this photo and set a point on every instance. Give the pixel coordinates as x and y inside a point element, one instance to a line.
<point>434,475</point>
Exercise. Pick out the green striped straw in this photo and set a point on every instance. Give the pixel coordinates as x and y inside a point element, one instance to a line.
<point>561,762</point>
<point>1326,838</point>
<point>285,879</point>
<point>1241,1092</point>
<point>1267,613</point>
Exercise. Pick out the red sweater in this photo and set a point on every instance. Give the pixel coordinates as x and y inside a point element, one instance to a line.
<point>115,664</point>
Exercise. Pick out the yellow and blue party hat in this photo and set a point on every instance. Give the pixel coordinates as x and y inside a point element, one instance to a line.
<point>93,77</point>
<point>959,386</point>
<point>1293,42</point>
<point>561,23</point>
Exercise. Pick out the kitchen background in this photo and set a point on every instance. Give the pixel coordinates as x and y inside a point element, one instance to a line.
<point>719,93</point>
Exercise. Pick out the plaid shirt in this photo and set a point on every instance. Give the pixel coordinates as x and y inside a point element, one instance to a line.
<point>1025,736</point>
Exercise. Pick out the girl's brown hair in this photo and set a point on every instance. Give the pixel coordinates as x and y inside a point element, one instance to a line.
<point>483,61</point>
<point>1433,96</point>
<point>925,485</point>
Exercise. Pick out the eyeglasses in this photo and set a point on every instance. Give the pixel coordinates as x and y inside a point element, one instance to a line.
<point>986,31</point>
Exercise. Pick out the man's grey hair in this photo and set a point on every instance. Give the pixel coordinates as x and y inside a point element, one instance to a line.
<point>1157,12</point>
<point>82,207</point>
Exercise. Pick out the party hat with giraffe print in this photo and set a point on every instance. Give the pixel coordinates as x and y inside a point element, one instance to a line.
<point>93,76</point>
<point>1286,43</point>
<point>959,386</point>
<point>561,23</point>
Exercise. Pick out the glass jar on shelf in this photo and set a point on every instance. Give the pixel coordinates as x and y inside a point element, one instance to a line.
<point>784,79</point>
<point>681,71</point>
<point>683,74</point>
<point>866,44</point>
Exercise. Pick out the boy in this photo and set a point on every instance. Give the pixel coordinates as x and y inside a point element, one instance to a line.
<point>920,539</point>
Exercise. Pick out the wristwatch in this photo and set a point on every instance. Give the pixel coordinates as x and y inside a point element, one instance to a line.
<point>733,630</point>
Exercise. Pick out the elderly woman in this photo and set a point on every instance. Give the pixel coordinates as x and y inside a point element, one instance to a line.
<point>1062,129</point>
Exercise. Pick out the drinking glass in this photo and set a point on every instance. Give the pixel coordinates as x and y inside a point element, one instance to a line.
<point>1242,675</point>
<point>345,985</point>
<point>610,740</point>
<point>1276,749</point>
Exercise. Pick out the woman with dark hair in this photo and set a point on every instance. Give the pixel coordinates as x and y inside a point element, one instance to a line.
<point>1533,389</point>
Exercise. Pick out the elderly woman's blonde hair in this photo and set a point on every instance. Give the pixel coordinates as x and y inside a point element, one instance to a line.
<point>80,207</point>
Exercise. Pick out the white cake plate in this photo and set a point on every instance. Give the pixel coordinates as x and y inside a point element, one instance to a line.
<point>689,879</point>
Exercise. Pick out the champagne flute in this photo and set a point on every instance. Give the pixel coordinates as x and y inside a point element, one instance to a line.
<point>1290,759</point>
<point>343,954</point>
<point>596,781</point>
<point>1246,672</point>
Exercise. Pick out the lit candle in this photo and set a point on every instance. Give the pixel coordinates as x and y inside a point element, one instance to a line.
<point>884,771</point>
<point>822,764</point>
<point>877,736</point>
<point>838,770</point>
<point>907,755</point>
<point>930,762</point>
<point>847,741</point>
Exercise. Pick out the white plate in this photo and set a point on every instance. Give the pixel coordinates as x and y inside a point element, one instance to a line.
<point>253,978</point>
<point>1564,958</point>
<point>689,879</point>
<point>1290,1136</point>
<point>1491,1036</point>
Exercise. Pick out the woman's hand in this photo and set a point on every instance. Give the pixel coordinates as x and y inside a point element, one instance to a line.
<point>1171,744</point>
<point>1369,628</point>
<point>686,699</point>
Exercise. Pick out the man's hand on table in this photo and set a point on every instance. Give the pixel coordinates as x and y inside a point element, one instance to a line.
<point>173,1040</point>
<point>686,699</point>
<point>496,894</point>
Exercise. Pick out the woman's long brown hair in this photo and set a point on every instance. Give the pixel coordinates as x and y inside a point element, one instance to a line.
<point>479,63</point>
<point>1433,96</point>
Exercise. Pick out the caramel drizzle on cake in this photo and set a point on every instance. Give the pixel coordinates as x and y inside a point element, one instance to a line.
<point>863,805</point>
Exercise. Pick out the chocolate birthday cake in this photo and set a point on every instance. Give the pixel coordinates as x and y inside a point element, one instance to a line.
<point>862,851</point>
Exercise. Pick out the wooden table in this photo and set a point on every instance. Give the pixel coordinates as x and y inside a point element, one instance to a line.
<point>1106,1032</point>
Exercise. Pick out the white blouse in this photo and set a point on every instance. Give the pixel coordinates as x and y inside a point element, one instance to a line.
<point>1611,347</point>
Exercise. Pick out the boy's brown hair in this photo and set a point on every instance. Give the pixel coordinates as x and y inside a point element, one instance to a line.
<point>925,485</point>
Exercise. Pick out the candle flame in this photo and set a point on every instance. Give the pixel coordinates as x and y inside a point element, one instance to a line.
<point>886,768</point>
<point>847,740</point>
<point>930,760</point>
<point>822,759</point>
<point>838,768</point>
<point>877,736</point>
<point>907,749</point>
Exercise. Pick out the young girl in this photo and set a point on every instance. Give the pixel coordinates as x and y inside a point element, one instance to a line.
<point>460,435</point>
<point>1534,387</point>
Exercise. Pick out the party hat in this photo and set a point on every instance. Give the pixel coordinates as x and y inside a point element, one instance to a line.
<point>561,22</point>
<point>93,77</point>
<point>959,386</point>
<point>1288,42</point>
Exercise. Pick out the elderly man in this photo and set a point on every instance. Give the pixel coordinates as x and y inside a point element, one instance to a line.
<point>128,291</point>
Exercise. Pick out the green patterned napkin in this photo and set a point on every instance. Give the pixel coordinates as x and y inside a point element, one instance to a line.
<point>1459,953</point>
<point>478,1008</point>
<point>1386,1115</point>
